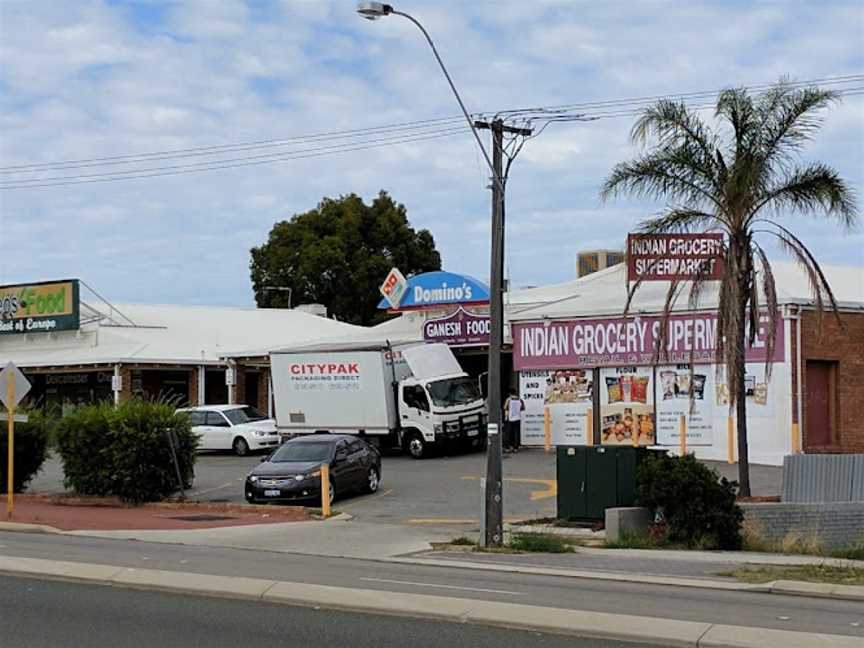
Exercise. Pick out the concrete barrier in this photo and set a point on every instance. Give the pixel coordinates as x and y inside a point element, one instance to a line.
<point>625,519</point>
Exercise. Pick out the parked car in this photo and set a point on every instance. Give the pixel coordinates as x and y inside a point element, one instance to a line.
<point>292,473</point>
<point>240,428</point>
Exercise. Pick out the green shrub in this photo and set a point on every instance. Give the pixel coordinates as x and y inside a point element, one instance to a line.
<point>124,450</point>
<point>540,543</point>
<point>31,442</point>
<point>698,507</point>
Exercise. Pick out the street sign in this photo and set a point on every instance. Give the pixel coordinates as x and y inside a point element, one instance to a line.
<point>17,418</point>
<point>19,389</point>
<point>393,287</point>
<point>682,257</point>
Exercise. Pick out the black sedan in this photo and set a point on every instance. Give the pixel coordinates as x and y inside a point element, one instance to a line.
<point>292,473</point>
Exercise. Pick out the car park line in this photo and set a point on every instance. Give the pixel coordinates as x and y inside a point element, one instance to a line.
<point>215,488</point>
<point>551,486</point>
<point>451,587</point>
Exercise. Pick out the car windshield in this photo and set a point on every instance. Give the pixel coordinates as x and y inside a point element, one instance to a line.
<point>244,415</point>
<point>453,391</point>
<point>302,452</point>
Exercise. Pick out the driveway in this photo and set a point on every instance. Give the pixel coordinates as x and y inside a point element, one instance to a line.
<point>436,492</point>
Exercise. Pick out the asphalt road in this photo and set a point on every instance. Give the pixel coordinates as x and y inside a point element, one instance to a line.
<point>47,613</point>
<point>710,606</point>
<point>437,491</point>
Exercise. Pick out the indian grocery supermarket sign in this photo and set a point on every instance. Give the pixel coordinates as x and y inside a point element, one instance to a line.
<point>439,288</point>
<point>458,329</point>
<point>40,307</point>
<point>664,257</point>
<point>631,341</point>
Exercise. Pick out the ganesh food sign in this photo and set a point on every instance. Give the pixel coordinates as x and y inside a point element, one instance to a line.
<point>666,257</point>
<point>460,328</point>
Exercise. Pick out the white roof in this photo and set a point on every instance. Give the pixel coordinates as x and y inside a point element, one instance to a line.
<point>172,335</point>
<point>605,293</point>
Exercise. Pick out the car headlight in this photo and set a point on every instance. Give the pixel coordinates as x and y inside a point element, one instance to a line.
<point>259,433</point>
<point>253,479</point>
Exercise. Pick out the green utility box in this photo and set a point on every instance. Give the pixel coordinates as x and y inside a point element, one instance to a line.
<point>594,478</point>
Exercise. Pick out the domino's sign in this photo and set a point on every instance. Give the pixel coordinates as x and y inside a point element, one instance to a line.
<point>438,289</point>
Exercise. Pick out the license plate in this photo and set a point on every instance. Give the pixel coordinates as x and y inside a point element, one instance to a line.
<point>471,432</point>
<point>272,493</point>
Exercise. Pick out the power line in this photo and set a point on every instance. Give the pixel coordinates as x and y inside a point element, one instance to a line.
<point>347,140</point>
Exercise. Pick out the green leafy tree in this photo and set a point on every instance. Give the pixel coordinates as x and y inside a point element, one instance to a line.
<point>744,179</point>
<point>338,254</point>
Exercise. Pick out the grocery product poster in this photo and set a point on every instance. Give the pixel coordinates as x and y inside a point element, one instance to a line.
<point>689,393</point>
<point>568,396</point>
<point>756,386</point>
<point>627,406</point>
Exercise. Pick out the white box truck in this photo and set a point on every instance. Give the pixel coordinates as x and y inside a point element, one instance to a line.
<point>412,396</point>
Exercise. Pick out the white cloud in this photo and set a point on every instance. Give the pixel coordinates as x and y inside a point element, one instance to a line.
<point>81,80</point>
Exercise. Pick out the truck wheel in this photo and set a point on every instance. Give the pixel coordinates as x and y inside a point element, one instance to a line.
<point>416,446</point>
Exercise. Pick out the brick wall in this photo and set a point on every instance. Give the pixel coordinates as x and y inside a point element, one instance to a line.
<point>193,386</point>
<point>844,345</point>
<point>830,526</point>
<point>263,389</point>
<point>239,387</point>
<point>125,383</point>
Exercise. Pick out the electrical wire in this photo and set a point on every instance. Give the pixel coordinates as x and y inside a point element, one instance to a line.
<point>537,118</point>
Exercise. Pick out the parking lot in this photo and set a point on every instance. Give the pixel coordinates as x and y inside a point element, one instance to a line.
<point>439,491</point>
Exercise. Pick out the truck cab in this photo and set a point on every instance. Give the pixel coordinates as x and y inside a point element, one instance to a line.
<point>440,410</point>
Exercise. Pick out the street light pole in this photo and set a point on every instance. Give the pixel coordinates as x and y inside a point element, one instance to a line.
<point>493,509</point>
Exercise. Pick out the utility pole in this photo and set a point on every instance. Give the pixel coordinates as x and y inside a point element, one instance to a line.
<point>494,502</point>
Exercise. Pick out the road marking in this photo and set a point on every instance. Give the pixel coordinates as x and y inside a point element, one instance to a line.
<point>454,520</point>
<point>210,490</point>
<point>550,484</point>
<point>453,587</point>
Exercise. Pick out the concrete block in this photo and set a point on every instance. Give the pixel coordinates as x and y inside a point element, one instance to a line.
<point>629,518</point>
<point>365,600</point>
<point>205,584</point>
<point>727,636</point>
<point>602,625</point>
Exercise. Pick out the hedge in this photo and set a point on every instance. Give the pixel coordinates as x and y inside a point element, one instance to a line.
<point>697,507</point>
<point>31,443</point>
<point>123,450</point>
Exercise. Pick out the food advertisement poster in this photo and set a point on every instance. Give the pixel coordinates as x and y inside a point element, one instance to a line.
<point>682,392</point>
<point>568,396</point>
<point>627,406</point>
<point>756,386</point>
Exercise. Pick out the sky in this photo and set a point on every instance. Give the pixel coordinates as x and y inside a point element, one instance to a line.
<point>89,80</point>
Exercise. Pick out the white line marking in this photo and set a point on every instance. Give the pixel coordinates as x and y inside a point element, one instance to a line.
<point>210,490</point>
<point>453,587</point>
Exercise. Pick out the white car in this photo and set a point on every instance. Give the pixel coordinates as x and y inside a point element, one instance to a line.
<point>240,428</point>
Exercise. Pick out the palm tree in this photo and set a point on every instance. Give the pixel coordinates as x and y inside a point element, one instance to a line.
<point>741,178</point>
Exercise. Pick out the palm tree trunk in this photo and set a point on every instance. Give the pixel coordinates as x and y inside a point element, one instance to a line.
<point>741,401</point>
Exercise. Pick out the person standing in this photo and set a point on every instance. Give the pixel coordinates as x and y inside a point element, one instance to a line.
<point>513,408</point>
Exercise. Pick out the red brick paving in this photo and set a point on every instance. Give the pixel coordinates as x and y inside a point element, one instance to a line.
<point>91,514</point>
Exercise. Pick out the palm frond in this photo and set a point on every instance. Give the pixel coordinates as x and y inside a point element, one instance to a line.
<point>661,175</point>
<point>787,115</point>
<point>677,220</point>
<point>815,187</point>
<point>815,277</point>
<point>769,287</point>
<point>736,105</point>
<point>660,352</point>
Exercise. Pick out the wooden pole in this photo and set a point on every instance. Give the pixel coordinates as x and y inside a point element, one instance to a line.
<point>547,429</point>
<point>589,423</point>
<point>683,435</point>
<point>325,491</point>
<point>730,439</point>
<point>796,439</point>
<point>10,480</point>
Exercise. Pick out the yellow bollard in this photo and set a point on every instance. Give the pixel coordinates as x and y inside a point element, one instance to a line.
<point>10,398</point>
<point>547,429</point>
<point>325,490</point>
<point>589,423</point>
<point>682,432</point>
<point>730,439</point>
<point>796,440</point>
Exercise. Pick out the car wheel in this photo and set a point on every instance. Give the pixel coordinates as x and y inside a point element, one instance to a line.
<point>240,447</point>
<point>416,446</point>
<point>332,492</point>
<point>373,480</point>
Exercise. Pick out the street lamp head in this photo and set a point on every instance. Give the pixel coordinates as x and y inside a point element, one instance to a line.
<point>373,10</point>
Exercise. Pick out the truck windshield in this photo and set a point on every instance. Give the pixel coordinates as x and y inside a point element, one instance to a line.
<point>453,391</point>
<point>244,415</point>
